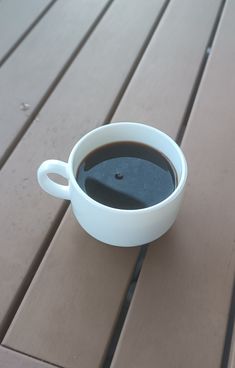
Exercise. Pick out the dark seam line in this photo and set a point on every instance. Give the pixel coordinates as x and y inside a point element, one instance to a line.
<point>110,350</point>
<point>231,315</point>
<point>229,331</point>
<point>25,33</point>
<point>137,269</point>
<point>136,62</point>
<point>30,356</point>
<point>33,268</point>
<point>17,300</point>
<point>134,279</point>
<point>198,79</point>
<point>52,87</point>
<point>20,294</point>
<point>125,304</point>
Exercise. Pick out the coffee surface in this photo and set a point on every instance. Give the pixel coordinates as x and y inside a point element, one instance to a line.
<point>127,175</point>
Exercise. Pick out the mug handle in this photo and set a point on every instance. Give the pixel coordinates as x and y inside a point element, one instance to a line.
<point>53,167</point>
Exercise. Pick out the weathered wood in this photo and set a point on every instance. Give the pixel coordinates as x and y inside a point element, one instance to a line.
<point>74,299</point>
<point>80,102</point>
<point>86,300</point>
<point>12,359</point>
<point>163,82</point>
<point>231,363</point>
<point>32,68</point>
<point>179,312</point>
<point>15,18</point>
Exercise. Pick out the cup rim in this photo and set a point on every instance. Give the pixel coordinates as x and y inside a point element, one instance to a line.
<point>159,205</point>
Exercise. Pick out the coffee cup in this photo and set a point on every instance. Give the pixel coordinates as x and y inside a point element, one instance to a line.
<point>125,226</point>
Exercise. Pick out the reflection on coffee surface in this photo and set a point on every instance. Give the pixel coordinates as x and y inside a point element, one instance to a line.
<point>127,175</point>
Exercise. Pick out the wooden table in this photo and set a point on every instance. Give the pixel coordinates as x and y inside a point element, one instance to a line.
<point>67,300</point>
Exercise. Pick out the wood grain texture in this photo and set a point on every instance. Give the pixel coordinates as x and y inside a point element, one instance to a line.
<point>32,68</point>
<point>15,18</point>
<point>80,103</point>
<point>162,85</point>
<point>78,345</point>
<point>231,363</point>
<point>18,252</point>
<point>12,359</point>
<point>180,308</point>
<point>74,299</point>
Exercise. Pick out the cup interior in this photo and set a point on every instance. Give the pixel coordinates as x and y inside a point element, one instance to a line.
<point>134,132</point>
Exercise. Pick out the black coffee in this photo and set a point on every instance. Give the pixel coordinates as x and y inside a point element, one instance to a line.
<point>127,175</point>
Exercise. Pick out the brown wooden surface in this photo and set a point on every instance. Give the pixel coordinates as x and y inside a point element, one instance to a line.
<point>18,178</point>
<point>29,72</point>
<point>161,87</point>
<point>80,102</point>
<point>76,339</point>
<point>180,307</point>
<point>178,315</point>
<point>12,359</point>
<point>12,28</point>
<point>74,299</point>
<point>231,363</point>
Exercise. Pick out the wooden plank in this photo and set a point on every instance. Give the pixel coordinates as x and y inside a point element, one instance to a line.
<point>78,16</point>
<point>80,102</point>
<point>162,84</point>
<point>15,19</point>
<point>179,312</point>
<point>80,331</point>
<point>231,363</point>
<point>29,72</point>
<point>12,359</point>
<point>79,288</point>
<point>228,358</point>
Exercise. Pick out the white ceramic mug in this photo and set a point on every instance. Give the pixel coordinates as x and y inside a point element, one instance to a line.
<point>111,225</point>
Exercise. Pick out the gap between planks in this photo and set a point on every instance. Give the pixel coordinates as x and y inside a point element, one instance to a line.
<point>31,356</point>
<point>46,243</point>
<point>134,279</point>
<point>53,85</point>
<point>131,288</point>
<point>153,29</point>
<point>17,300</point>
<point>200,74</point>
<point>227,351</point>
<point>26,32</point>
